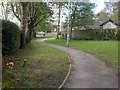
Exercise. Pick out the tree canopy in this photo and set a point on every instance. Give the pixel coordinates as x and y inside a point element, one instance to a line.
<point>30,14</point>
<point>82,14</point>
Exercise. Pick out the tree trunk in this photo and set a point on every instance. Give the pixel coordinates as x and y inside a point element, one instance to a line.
<point>58,28</point>
<point>71,32</point>
<point>28,37</point>
<point>72,21</point>
<point>23,23</point>
<point>34,33</point>
<point>57,34</point>
<point>29,33</point>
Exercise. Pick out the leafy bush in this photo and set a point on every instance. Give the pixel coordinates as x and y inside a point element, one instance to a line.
<point>10,37</point>
<point>104,34</point>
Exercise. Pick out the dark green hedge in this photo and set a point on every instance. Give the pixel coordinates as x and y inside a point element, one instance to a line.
<point>10,37</point>
<point>103,34</point>
<point>94,34</point>
<point>118,35</point>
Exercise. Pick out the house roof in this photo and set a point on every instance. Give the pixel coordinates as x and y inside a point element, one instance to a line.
<point>110,20</point>
<point>100,22</point>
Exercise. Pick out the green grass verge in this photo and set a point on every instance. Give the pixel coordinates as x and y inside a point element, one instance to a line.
<point>106,50</point>
<point>46,67</point>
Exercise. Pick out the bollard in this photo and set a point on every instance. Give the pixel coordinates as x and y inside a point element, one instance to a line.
<point>24,64</point>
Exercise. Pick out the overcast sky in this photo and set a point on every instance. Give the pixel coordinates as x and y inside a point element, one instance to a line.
<point>100,5</point>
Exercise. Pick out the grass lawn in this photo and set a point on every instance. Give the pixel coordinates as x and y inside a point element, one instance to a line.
<point>46,67</point>
<point>106,50</point>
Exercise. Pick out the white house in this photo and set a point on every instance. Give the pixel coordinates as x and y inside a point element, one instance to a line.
<point>104,24</point>
<point>109,25</point>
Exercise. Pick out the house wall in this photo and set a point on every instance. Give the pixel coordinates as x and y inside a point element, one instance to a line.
<point>109,25</point>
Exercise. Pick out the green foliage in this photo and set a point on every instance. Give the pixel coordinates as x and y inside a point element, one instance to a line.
<point>10,37</point>
<point>103,15</point>
<point>103,34</point>
<point>34,13</point>
<point>82,14</point>
<point>94,34</point>
<point>43,21</point>
<point>44,12</point>
<point>112,10</point>
<point>44,26</point>
<point>118,35</point>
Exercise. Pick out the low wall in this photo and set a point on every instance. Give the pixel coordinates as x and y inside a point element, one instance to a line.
<point>80,34</point>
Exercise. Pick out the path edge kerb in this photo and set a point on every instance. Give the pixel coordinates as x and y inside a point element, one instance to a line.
<point>68,74</point>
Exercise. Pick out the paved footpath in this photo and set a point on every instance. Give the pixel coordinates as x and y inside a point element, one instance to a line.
<point>87,70</point>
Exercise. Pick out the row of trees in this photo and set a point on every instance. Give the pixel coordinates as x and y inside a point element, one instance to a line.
<point>37,15</point>
<point>80,14</point>
<point>61,6</point>
<point>30,15</point>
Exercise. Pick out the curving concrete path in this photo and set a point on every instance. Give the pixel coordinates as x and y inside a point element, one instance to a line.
<point>87,70</point>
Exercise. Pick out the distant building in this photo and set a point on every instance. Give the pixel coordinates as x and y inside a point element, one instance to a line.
<point>104,24</point>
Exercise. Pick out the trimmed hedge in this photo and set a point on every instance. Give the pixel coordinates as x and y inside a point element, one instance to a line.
<point>10,37</point>
<point>94,34</point>
<point>103,34</point>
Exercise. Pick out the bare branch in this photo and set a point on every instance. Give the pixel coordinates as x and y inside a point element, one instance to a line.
<point>12,6</point>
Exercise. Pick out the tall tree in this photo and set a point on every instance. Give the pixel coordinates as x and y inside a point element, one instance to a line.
<point>111,8</point>
<point>37,13</point>
<point>60,6</point>
<point>23,23</point>
<point>103,15</point>
<point>115,11</point>
<point>119,14</point>
<point>45,26</point>
<point>81,15</point>
<point>34,13</point>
